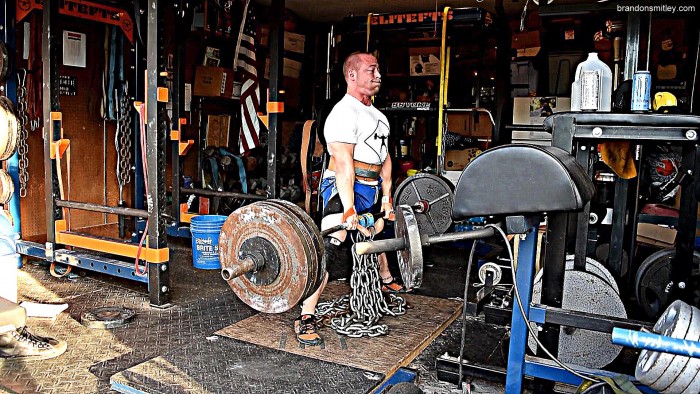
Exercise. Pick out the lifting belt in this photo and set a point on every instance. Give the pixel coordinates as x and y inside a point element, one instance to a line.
<point>363,171</point>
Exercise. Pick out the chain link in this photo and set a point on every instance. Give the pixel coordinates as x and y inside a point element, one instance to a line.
<point>22,147</point>
<point>356,315</point>
<point>122,139</point>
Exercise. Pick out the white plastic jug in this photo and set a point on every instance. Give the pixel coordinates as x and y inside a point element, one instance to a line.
<point>592,86</point>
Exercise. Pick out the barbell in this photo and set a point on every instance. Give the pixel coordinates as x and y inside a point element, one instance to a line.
<point>271,252</point>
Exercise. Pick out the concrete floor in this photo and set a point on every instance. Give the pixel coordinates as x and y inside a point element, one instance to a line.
<point>203,303</point>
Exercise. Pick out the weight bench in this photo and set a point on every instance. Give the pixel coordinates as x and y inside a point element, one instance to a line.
<point>12,316</point>
<point>522,183</point>
<point>539,180</point>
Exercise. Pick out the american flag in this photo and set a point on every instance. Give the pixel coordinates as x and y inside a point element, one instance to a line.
<point>250,91</point>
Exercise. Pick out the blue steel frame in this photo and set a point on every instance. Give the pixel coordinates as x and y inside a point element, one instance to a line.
<point>520,365</point>
<point>83,260</point>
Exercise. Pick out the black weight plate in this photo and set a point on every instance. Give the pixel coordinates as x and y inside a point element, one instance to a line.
<point>652,278</point>
<point>433,192</point>
<point>107,317</point>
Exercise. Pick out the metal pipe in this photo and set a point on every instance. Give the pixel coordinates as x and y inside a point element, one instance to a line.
<point>524,127</point>
<point>216,193</point>
<point>648,41</point>
<point>104,164</point>
<point>656,342</point>
<point>394,244</point>
<point>86,206</point>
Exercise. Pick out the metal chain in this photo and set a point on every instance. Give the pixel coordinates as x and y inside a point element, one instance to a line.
<point>356,315</point>
<point>122,139</point>
<point>22,147</point>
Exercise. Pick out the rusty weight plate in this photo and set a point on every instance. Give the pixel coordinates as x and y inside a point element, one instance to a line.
<point>303,233</point>
<point>411,257</point>
<point>432,199</point>
<point>315,235</point>
<point>262,221</point>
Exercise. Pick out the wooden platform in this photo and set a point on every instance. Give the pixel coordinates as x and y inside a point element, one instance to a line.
<point>408,334</point>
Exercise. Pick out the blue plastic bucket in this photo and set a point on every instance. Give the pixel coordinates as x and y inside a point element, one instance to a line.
<point>205,231</point>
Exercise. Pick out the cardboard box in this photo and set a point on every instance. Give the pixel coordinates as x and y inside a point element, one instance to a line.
<point>424,61</point>
<point>653,234</point>
<point>468,124</point>
<point>526,39</point>
<point>218,127</point>
<point>213,82</point>
<point>293,42</point>
<point>527,52</point>
<point>290,68</point>
<point>526,44</point>
<point>534,110</point>
<point>457,159</point>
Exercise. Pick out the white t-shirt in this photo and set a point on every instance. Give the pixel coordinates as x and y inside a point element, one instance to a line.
<point>352,122</point>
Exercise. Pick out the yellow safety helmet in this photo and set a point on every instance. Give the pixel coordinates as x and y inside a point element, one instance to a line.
<point>664,102</point>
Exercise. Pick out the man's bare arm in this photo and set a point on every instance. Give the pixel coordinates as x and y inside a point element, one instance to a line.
<point>344,172</point>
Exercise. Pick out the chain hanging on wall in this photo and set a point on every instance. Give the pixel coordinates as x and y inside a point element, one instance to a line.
<point>356,315</point>
<point>122,139</point>
<point>22,147</point>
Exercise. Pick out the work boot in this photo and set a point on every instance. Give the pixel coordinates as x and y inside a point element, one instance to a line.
<point>20,344</point>
<point>338,259</point>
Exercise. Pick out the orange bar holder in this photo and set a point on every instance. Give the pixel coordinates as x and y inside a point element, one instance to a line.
<point>118,248</point>
<point>162,95</point>
<point>275,107</point>
<point>183,147</point>
<point>63,144</point>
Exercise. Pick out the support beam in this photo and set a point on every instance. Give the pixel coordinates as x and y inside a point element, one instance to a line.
<point>52,127</point>
<point>274,142</point>
<point>156,122</point>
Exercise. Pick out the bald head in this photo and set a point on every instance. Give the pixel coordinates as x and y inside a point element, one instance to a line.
<point>355,60</point>
<point>361,71</point>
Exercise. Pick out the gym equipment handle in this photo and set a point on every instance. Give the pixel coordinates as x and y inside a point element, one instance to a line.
<point>391,245</point>
<point>656,342</point>
<point>363,222</point>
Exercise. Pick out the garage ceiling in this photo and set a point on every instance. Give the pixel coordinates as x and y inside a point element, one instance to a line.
<point>335,10</point>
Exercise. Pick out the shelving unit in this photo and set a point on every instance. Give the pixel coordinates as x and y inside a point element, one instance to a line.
<point>407,49</point>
